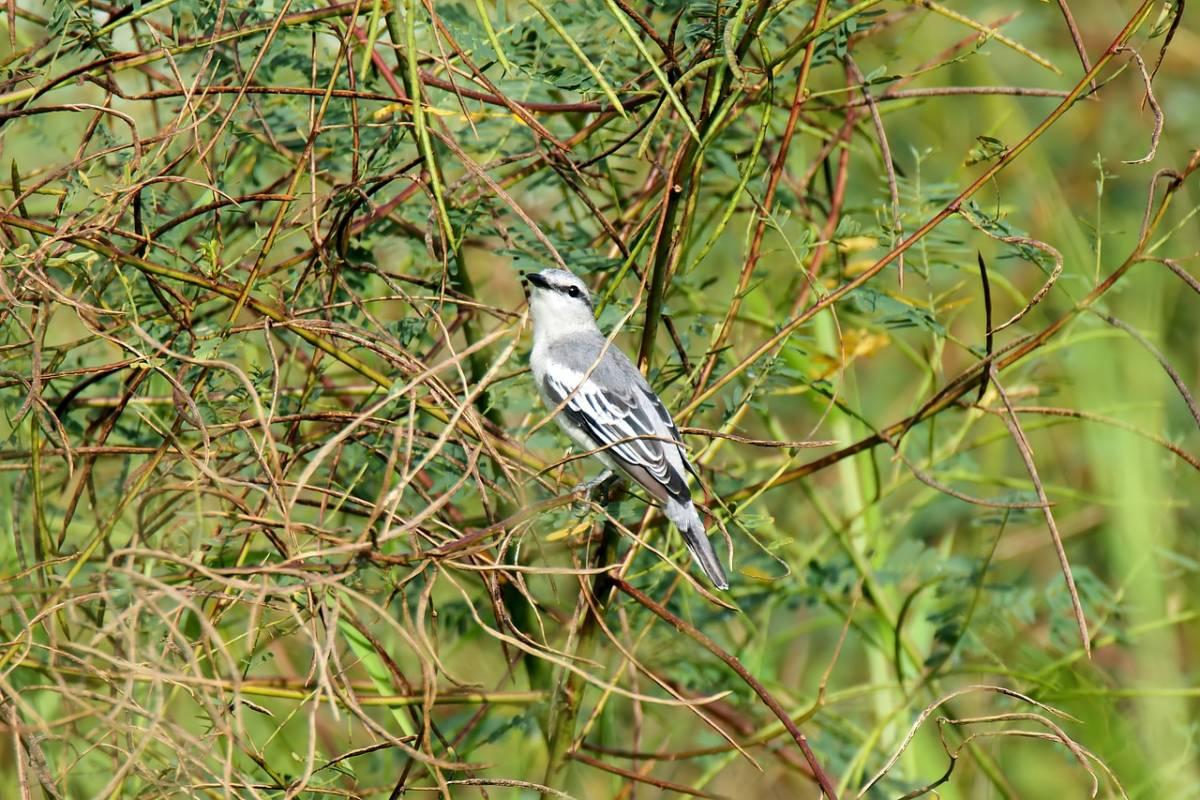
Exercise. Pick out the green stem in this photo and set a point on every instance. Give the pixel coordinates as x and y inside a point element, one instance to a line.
<point>564,707</point>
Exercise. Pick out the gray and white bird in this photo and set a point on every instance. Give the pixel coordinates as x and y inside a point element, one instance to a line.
<point>609,405</point>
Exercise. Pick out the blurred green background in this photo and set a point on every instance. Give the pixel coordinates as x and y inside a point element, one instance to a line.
<point>262,365</point>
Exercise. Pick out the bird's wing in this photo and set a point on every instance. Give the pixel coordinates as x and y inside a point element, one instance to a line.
<point>614,416</point>
<point>667,420</point>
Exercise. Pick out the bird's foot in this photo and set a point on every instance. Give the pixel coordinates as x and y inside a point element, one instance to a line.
<point>596,486</point>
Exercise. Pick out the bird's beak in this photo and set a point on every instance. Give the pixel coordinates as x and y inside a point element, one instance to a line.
<point>535,279</point>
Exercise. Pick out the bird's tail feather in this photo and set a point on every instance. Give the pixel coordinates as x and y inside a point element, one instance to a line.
<point>688,521</point>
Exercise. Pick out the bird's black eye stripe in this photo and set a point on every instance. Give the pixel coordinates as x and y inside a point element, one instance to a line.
<point>568,289</point>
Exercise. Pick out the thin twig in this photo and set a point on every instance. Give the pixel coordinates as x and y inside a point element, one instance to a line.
<point>1014,427</point>
<point>768,699</point>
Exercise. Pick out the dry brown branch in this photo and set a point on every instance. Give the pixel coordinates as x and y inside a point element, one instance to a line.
<point>1026,451</point>
<point>281,516</point>
<point>928,711</point>
<point>708,644</point>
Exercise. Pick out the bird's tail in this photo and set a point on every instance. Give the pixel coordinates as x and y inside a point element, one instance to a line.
<point>688,521</point>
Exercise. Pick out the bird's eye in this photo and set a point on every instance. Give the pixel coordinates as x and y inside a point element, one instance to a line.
<point>573,291</point>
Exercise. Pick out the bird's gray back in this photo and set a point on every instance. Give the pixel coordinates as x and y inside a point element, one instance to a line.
<point>580,352</point>
<point>609,401</point>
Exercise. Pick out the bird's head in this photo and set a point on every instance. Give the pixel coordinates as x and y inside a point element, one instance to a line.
<point>559,301</point>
